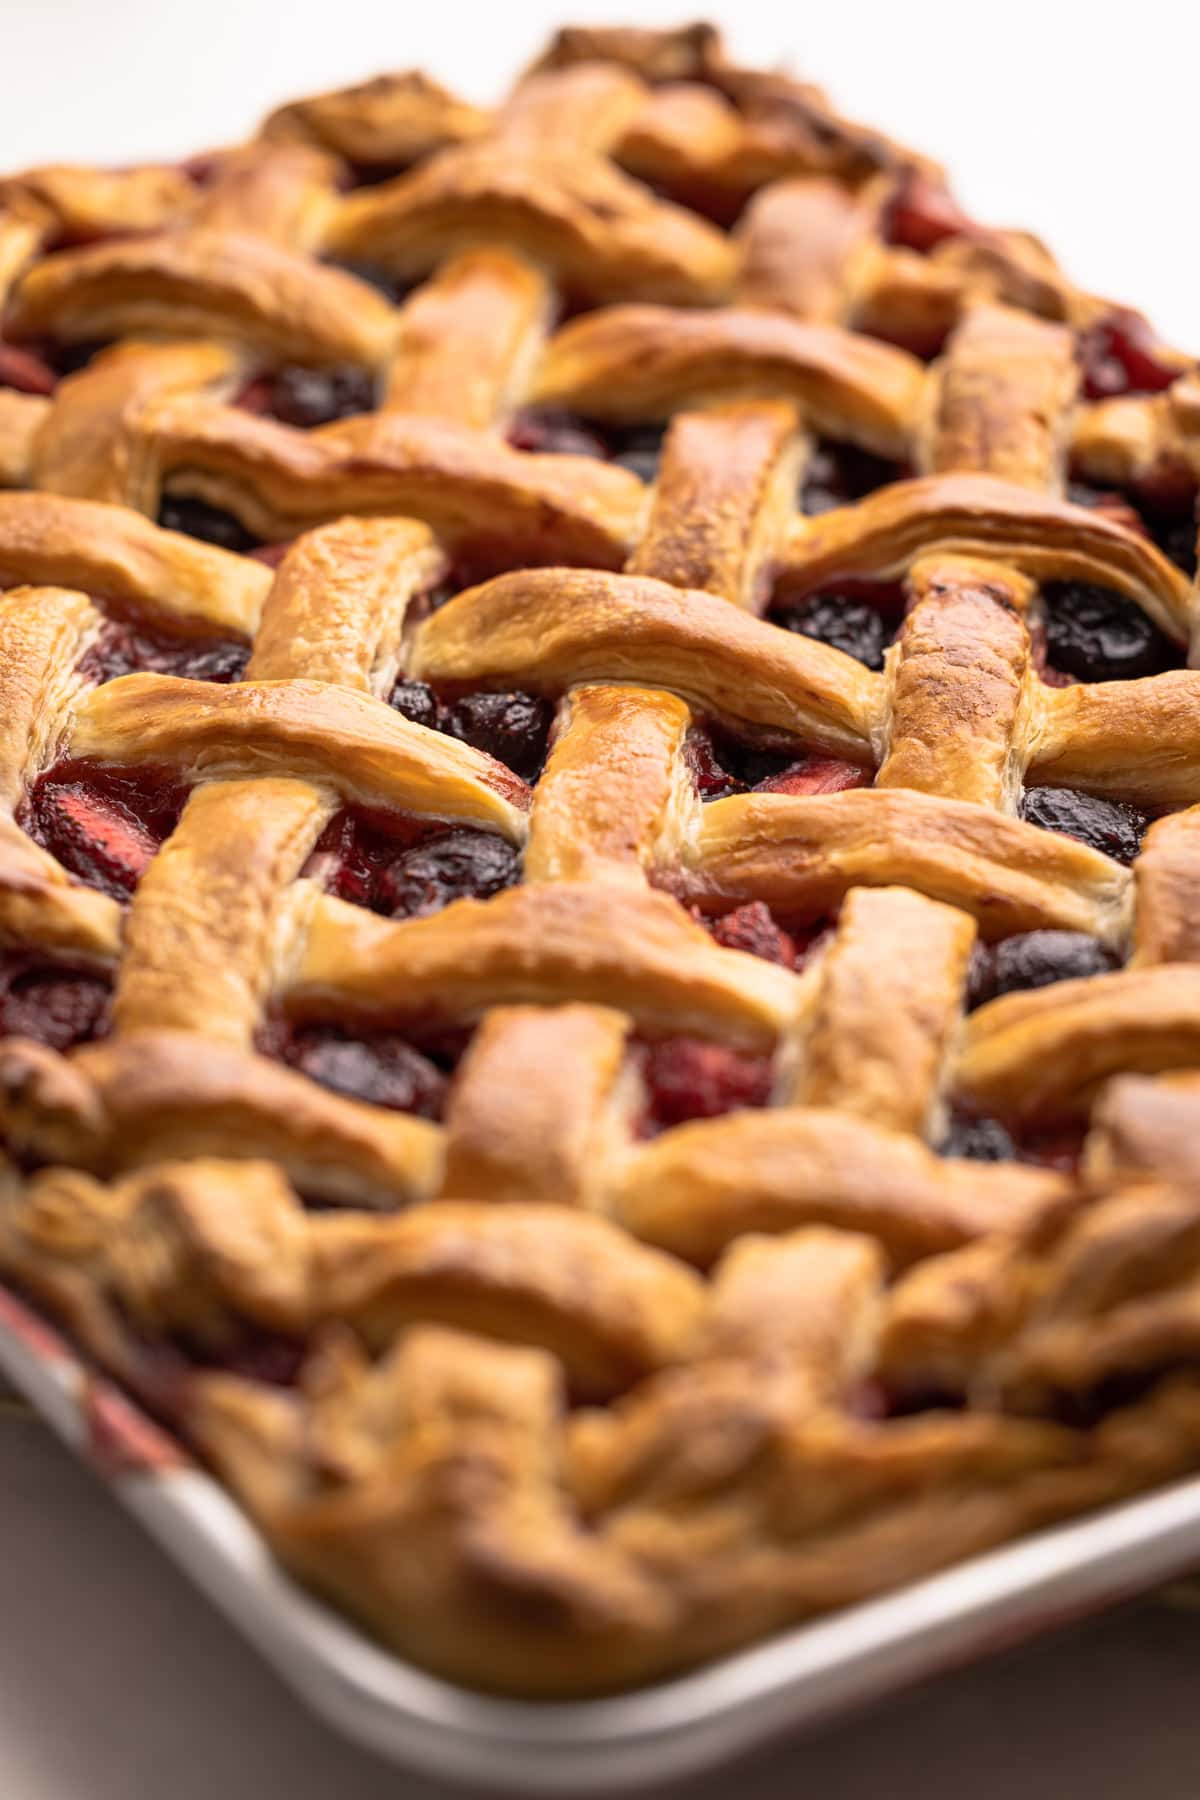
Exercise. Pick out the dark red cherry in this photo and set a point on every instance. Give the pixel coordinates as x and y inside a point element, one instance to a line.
<point>1034,959</point>
<point>211,524</point>
<point>417,702</point>
<point>124,649</point>
<point>852,626</point>
<point>816,775</point>
<point>308,397</point>
<point>1096,634</point>
<point>837,474</point>
<point>460,863</point>
<point>1110,826</point>
<point>385,1070</point>
<point>514,728</point>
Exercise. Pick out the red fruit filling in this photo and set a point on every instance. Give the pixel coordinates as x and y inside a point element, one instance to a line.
<point>126,649</point>
<point>859,618</point>
<point>211,524</point>
<point>408,868</point>
<point>751,928</point>
<point>305,398</point>
<point>816,775</point>
<point>921,214</point>
<point>104,826</point>
<point>514,728</point>
<point>689,1078</point>
<point>754,929</point>
<point>1120,354</point>
<point>724,765</point>
<point>555,431</point>
<point>57,1006</point>
<point>382,1068</point>
<point>839,474</point>
<point>25,371</point>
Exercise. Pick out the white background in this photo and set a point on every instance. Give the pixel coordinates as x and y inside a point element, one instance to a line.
<point>1074,120</point>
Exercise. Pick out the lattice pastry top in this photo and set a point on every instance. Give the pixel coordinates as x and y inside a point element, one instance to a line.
<point>599,851</point>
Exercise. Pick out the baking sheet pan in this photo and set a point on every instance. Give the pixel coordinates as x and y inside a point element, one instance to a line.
<point>684,1726</point>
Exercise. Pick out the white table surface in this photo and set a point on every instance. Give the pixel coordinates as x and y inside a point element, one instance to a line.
<point>117,1682</point>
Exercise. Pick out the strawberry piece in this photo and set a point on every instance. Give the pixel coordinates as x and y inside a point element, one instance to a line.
<point>687,1078</point>
<point>816,775</point>
<point>22,370</point>
<point>98,838</point>
<point>1121,355</point>
<point>751,928</point>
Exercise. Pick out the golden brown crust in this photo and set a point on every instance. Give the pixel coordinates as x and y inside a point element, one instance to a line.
<point>485,500</point>
<point>593,627</point>
<point>848,386</point>
<point>803,854</point>
<point>538,1106</point>
<point>466,339</point>
<point>960,685</point>
<point>900,957</point>
<point>725,488</point>
<point>601,233</point>
<point>109,550</point>
<point>542,944</point>
<point>976,515</point>
<point>336,607</point>
<point>386,122</point>
<point>368,752</point>
<point>1002,397</point>
<point>613,789</point>
<point>698,1188</point>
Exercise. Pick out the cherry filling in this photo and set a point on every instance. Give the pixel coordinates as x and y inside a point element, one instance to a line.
<point>922,214</point>
<point>105,826</point>
<point>724,765</point>
<point>1110,826</point>
<point>58,1006</point>
<point>839,474</point>
<point>164,1363</point>
<point>126,649</point>
<point>859,618</point>
<point>981,1139</point>
<point>382,1068</point>
<point>754,929</point>
<point>25,371</point>
<point>1165,513</point>
<point>408,869</point>
<point>1034,959</point>
<point>690,1078</point>
<point>308,397</point>
<point>514,728</point>
<point>211,524</point>
<point>550,430</point>
<point>1095,634</point>
<point>1120,354</point>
